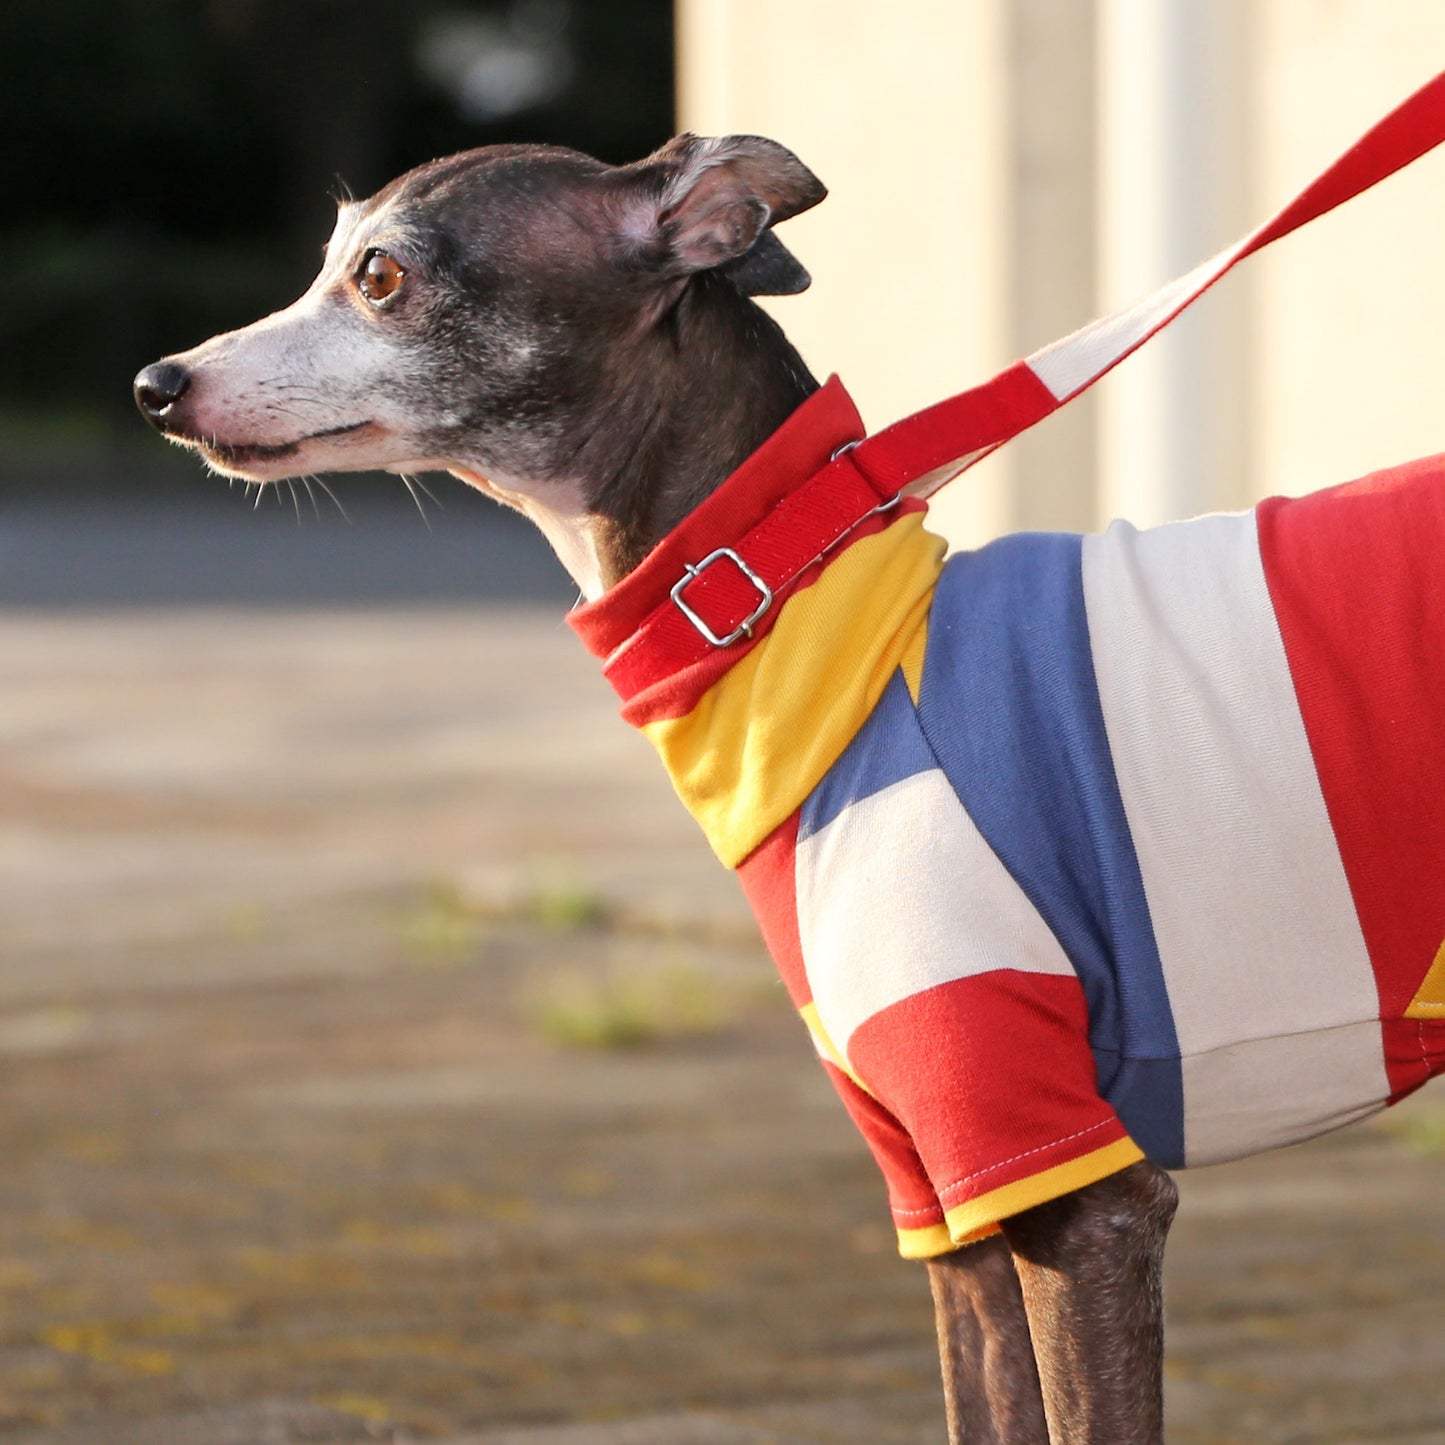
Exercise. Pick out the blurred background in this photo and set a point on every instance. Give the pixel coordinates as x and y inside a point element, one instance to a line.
<point>382,1054</point>
<point>172,171</point>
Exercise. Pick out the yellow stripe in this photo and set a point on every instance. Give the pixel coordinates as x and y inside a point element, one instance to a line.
<point>824,1045</point>
<point>759,741</point>
<point>912,664</point>
<point>1429,1003</point>
<point>965,1220</point>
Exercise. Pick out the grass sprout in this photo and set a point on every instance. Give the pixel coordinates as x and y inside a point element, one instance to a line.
<point>630,1008</point>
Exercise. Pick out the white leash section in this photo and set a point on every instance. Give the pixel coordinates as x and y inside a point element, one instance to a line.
<point>928,449</point>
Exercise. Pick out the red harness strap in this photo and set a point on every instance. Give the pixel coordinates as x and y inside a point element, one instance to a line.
<point>724,597</point>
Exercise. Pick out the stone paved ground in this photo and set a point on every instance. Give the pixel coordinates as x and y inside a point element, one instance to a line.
<point>301,917</point>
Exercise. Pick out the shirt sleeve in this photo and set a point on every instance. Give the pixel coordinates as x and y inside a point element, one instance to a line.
<point>991,1081</point>
<point>917,1214</point>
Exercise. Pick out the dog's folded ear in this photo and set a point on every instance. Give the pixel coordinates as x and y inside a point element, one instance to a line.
<point>701,203</point>
<point>767,268</point>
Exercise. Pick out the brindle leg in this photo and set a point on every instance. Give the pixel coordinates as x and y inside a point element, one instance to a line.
<point>1090,1269</point>
<point>990,1383</point>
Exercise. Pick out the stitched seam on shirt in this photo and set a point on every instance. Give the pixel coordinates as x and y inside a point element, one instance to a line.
<point>1184,1054</point>
<point>1041,1149</point>
<point>934,1209</point>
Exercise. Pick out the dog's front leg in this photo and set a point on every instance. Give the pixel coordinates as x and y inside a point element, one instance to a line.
<point>1090,1267</point>
<point>990,1383</point>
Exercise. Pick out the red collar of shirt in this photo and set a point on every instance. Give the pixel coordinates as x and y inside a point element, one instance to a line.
<point>779,517</point>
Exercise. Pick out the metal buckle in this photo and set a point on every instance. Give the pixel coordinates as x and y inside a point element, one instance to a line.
<point>745,628</point>
<point>892,502</point>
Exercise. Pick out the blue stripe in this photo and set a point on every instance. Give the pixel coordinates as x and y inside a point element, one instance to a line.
<point>1010,707</point>
<point>886,749</point>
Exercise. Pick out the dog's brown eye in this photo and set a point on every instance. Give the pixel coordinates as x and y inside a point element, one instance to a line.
<point>380,277</point>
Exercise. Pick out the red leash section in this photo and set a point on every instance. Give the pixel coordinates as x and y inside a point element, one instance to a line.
<point>708,592</point>
<point>928,449</point>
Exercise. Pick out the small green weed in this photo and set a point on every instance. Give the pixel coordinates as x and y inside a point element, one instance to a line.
<point>440,929</point>
<point>562,902</point>
<point>630,1009</point>
<point>1423,1130</point>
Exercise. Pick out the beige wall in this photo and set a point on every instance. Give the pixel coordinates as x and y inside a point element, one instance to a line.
<point>1002,169</point>
<point>900,108</point>
<point>1351,310</point>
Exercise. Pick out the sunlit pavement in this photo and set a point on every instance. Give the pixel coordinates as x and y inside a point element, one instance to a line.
<point>298,1148</point>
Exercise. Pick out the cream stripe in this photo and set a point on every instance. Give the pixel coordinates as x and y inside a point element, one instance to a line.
<point>1071,363</point>
<point>1256,929</point>
<point>1270,1092</point>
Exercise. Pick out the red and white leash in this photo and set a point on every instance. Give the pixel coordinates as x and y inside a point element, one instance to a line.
<point>928,449</point>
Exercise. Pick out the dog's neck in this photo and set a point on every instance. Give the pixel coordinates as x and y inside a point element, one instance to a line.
<point>718,379</point>
<point>685,400</point>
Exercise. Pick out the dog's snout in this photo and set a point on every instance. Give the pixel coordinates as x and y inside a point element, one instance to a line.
<point>159,386</point>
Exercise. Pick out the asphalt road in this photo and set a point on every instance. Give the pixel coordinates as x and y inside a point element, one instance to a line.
<point>205,543</point>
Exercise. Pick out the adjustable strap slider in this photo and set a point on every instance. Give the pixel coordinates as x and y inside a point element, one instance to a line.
<point>693,571</point>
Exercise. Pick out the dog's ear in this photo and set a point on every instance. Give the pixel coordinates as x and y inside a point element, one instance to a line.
<point>767,269</point>
<point>699,203</point>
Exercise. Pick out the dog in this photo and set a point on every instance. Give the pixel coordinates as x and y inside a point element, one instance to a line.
<point>1082,858</point>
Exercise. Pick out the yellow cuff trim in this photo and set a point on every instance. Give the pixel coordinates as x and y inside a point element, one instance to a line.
<point>967,1219</point>
<point>979,1218</point>
<point>935,1241</point>
<point>926,1243</point>
<point>1429,1003</point>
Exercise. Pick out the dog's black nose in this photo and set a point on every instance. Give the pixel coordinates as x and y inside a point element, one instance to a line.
<point>159,386</point>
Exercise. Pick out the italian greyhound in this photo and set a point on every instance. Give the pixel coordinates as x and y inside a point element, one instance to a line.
<point>579,341</point>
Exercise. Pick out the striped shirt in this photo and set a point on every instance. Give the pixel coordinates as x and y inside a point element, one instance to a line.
<point>1075,850</point>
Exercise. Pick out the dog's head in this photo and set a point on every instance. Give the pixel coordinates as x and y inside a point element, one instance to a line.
<point>476,312</point>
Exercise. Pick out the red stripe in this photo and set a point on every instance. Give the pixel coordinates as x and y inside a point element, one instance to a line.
<point>991,1076</point>
<point>1415,126</point>
<point>769,878</point>
<point>1355,577</point>
<point>910,1195</point>
<point>982,416</point>
<point>1414,1052</point>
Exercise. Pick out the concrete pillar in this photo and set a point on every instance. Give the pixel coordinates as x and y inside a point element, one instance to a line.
<point>1052,135</point>
<point>1174,136</point>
